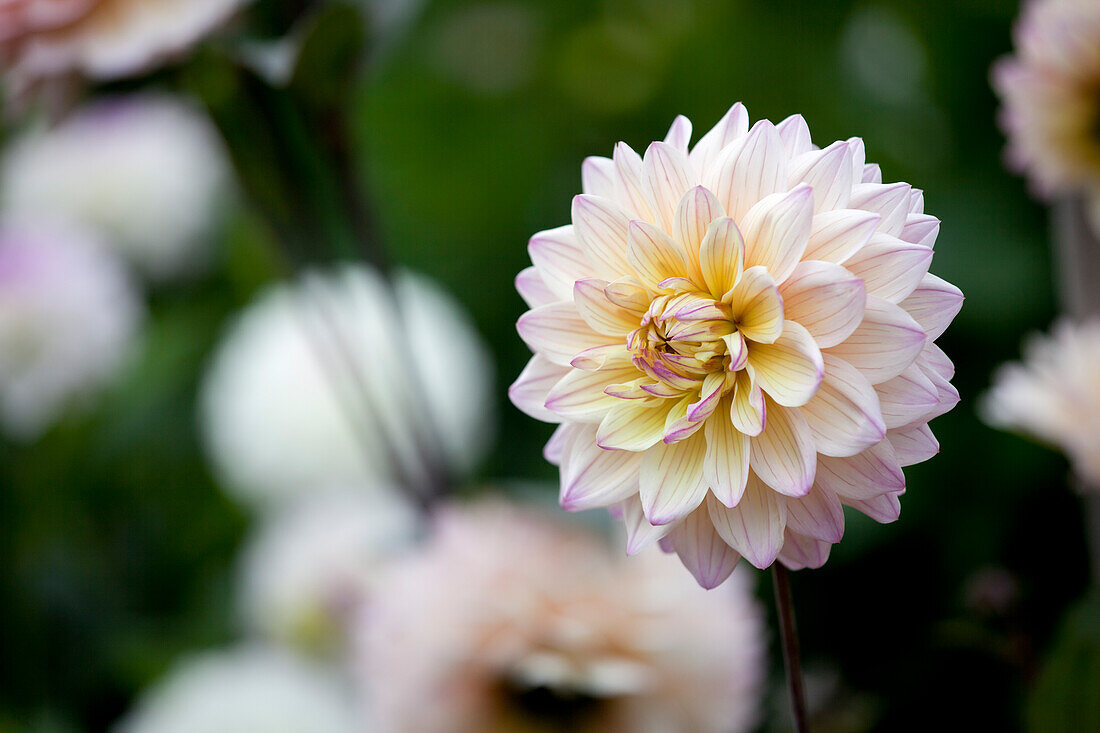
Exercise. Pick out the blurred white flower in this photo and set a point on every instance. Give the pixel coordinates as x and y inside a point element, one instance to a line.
<point>148,170</point>
<point>68,312</point>
<point>315,560</point>
<point>323,382</point>
<point>509,621</point>
<point>249,689</point>
<point>1054,394</point>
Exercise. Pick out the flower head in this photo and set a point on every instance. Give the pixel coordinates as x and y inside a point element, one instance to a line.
<point>509,621</point>
<point>737,340</point>
<point>1054,394</point>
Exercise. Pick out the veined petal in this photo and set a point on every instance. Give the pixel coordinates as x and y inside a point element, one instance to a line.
<point>652,254</point>
<point>592,477</point>
<point>602,357</point>
<point>703,552</point>
<point>748,409</point>
<point>777,231</point>
<point>679,134</point>
<point>677,424</point>
<point>933,360</point>
<point>633,425</point>
<point>907,397</point>
<point>844,416</point>
<point>598,176</point>
<point>628,182</point>
<point>601,227</point>
<point>629,293</point>
<point>530,390</point>
<point>921,229</point>
<point>640,534</point>
<point>801,552</point>
<point>532,288</point>
<point>755,526</point>
<point>598,312</point>
<point>789,370</point>
<point>818,514</point>
<point>795,134</point>
<point>721,256</point>
<point>836,235</point>
<point>753,167</point>
<point>783,454</point>
<point>733,125</point>
<point>714,386</point>
<point>666,177</point>
<point>934,304</point>
<point>889,200</point>
<point>829,171</point>
<point>671,480</point>
<point>756,306</point>
<point>558,332</point>
<point>580,396</point>
<point>726,464</point>
<point>737,349</point>
<point>872,173</point>
<point>885,343</point>
<point>554,448</point>
<point>558,256</point>
<point>826,299</point>
<point>697,209</point>
<point>890,268</point>
<point>884,508</point>
<point>873,472</point>
<point>913,444</point>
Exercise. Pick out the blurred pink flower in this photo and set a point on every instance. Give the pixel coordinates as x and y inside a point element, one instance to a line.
<point>737,341</point>
<point>509,621</point>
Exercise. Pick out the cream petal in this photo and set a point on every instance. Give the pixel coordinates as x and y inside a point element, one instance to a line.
<point>844,416</point>
<point>837,235</point>
<point>601,228</point>
<point>920,229</point>
<point>777,231</point>
<point>580,396</point>
<point>946,395</point>
<point>873,472</point>
<point>531,388</point>
<point>592,477</point>
<point>598,176</point>
<point>721,256</point>
<point>652,254</point>
<point>640,534</point>
<point>890,201</point>
<point>795,134</point>
<point>677,425</point>
<point>933,304</point>
<point>890,268</point>
<point>933,360</point>
<point>602,357</point>
<point>554,448</point>
<point>628,292</point>
<point>755,526</point>
<point>753,167</point>
<point>726,464</point>
<point>907,397</point>
<point>560,260</point>
<point>748,410</point>
<point>697,209</point>
<point>757,306</point>
<point>671,483</point>
<point>801,552</point>
<point>628,182</point>
<point>828,171</point>
<point>826,299</point>
<point>885,343</point>
<point>733,125</point>
<point>783,454</point>
<point>706,555</point>
<point>558,332</point>
<point>789,370</point>
<point>599,313</point>
<point>884,508</point>
<point>710,394</point>
<point>679,134</point>
<point>532,288</point>
<point>633,425</point>
<point>818,514</point>
<point>913,444</point>
<point>666,177</point>
<point>737,349</point>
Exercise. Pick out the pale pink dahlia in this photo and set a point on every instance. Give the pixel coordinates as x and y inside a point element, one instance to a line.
<point>737,341</point>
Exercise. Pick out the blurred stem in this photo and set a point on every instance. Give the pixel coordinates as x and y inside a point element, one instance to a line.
<point>788,634</point>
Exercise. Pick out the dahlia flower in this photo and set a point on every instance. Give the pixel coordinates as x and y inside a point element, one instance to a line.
<point>247,688</point>
<point>315,561</point>
<point>507,620</point>
<point>147,171</point>
<point>736,341</point>
<point>1054,394</point>
<point>313,386</point>
<point>1051,95</point>
<point>68,314</point>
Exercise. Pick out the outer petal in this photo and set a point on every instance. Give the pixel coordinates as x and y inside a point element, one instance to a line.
<point>757,306</point>
<point>671,481</point>
<point>560,260</point>
<point>599,313</point>
<point>886,342</point>
<point>532,288</point>
<point>679,134</point>
<point>601,228</point>
<point>652,254</point>
<point>721,256</point>
<point>884,508</point>
<point>558,332</point>
<point>733,125</point>
<point>697,209</point>
<point>755,526</point>
<point>890,201</point>
<point>819,514</point>
<point>628,182</point>
<point>666,177</point>
<point>640,534</point>
<point>913,444</point>
<point>907,397</point>
<point>530,390</point>
<point>633,425</point>
<point>934,304</point>
<point>751,168</point>
<point>791,369</point>
<point>844,416</point>
<point>890,267</point>
<point>598,176</point>
<point>783,454</point>
<point>777,231</point>
<point>703,552</point>
<point>829,171</point>
<point>836,235</point>
<point>826,299</point>
<point>580,396</point>
<point>726,464</point>
<point>873,472</point>
<point>592,477</point>
<point>800,552</point>
<point>795,134</point>
<point>554,448</point>
<point>920,229</point>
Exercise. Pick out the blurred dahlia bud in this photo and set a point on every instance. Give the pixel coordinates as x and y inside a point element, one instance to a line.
<point>148,171</point>
<point>68,315</point>
<point>314,561</point>
<point>509,621</point>
<point>1054,394</point>
<point>1051,95</point>
<point>320,383</point>
<point>102,40</point>
<point>737,341</point>
<point>247,688</point>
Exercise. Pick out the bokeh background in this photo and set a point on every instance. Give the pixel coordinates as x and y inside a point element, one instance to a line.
<point>470,120</point>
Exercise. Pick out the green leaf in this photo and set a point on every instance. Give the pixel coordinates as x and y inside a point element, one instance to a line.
<point>1067,693</point>
<point>332,48</point>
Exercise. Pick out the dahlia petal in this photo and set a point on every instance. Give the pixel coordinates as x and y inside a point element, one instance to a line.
<point>598,176</point>
<point>859,158</point>
<point>777,231</point>
<point>532,288</point>
<point>737,349</point>
<point>733,125</point>
<point>872,173</point>
<point>671,483</point>
<point>533,385</point>
<point>913,444</point>
<point>906,397</point>
<point>633,425</point>
<point>920,229</point>
<point>825,298</point>
<point>932,359</point>
<point>598,312</point>
<point>652,254</point>
<point>697,209</point>
<point>884,508</point>
<point>628,182</point>
<point>666,177</point>
<point>592,477</point>
<point>890,267</point>
<point>885,343</point>
<point>748,411</point>
<point>844,416</point>
<point>916,201</point>
<point>795,134</point>
<point>837,235</point>
<point>828,171</point>
<point>558,332</point>
<point>818,514</point>
<point>783,454</point>
<point>602,357</point>
<point>553,450</point>
<point>757,306</point>
<point>789,370</point>
<point>678,426</point>
<point>755,526</point>
<point>558,256</point>
<point>873,472</point>
<point>721,256</point>
<point>679,134</point>
<point>947,396</point>
<point>752,168</point>
<point>726,464</point>
<point>933,304</point>
<point>580,396</point>
<point>601,227</point>
<point>706,555</point>
<point>628,292</point>
<point>889,200</point>
<point>801,552</point>
<point>640,534</point>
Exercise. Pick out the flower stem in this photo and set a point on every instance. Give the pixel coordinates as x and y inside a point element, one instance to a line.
<point>788,634</point>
